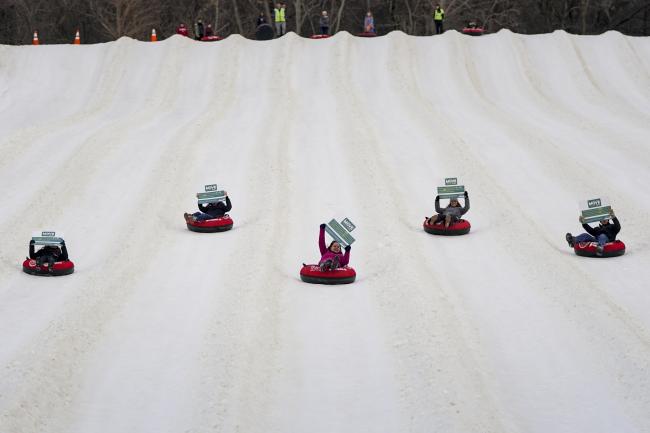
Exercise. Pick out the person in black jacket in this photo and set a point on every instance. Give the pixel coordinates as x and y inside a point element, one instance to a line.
<point>604,233</point>
<point>210,211</point>
<point>49,254</point>
<point>199,30</point>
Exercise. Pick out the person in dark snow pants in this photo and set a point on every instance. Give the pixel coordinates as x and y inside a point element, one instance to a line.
<point>324,23</point>
<point>210,211</point>
<point>605,232</point>
<point>331,257</point>
<point>452,213</point>
<point>49,254</point>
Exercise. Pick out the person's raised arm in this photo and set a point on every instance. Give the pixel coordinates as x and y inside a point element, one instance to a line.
<point>321,240</point>
<point>466,207</point>
<point>588,228</point>
<point>228,204</point>
<point>346,257</point>
<point>438,210</point>
<point>31,249</point>
<point>64,252</point>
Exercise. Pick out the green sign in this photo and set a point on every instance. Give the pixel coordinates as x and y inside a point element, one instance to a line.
<point>340,233</point>
<point>451,191</point>
<point>348,225</point>
<point>211,197</point>
<point>47,238</point>
<point>596,214</point>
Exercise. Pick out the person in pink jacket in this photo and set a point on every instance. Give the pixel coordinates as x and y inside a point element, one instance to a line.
<point>331,257</point>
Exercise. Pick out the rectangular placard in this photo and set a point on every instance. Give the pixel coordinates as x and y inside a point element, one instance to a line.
<point>211,188</point>
<point>211,197</point>
<point>348,225</point>
<point>339,233</point>
<point>47,237</point>
<point>451,191</point>
<point>595,209</point>
<point>450,181</point>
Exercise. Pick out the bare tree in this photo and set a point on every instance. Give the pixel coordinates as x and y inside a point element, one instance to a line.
<point>118,18</point>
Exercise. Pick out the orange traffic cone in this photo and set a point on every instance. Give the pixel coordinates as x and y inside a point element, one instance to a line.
<point>154,38</point>
<point>77,39</point>
<point>35,38</point>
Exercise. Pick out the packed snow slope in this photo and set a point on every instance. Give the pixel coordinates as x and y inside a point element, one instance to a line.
<point>160,329</point>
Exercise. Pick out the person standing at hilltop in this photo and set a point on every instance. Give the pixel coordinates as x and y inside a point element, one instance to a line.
<point>182,30</point>
<point>279,15</point>
<point>198,30</point>
<point>369,23</point>
<point>324,23</point>
<point>261,19</point>
<point>438,18</point>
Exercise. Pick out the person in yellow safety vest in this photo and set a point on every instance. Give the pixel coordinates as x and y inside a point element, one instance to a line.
<point>438,18</point>
<point>280,19</point>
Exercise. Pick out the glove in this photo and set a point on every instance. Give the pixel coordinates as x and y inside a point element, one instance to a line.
<point>32,242</point>
<point>348,248</point>
<point>466,195</point>
<point>611,212</point>
<point>581,219</point>
<point>322,226</point>
<point>62,242</point>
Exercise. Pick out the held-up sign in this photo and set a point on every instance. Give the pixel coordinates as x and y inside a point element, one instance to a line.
<point>47,238</point>
<point>595,209</point>
<point>341,231</point>
<point>211,195</point>
<point>451,189</point>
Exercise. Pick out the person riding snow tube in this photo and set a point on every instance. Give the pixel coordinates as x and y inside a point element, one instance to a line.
<point>211,219</point>
<point>447,221</point>
<point>598,241</point>
<point>333,265</point>
<point>473,29</point>
<point>50,260</point>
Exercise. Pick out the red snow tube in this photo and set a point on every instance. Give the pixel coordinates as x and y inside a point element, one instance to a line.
<point>367,34</point>
<point>211,38</point>
<point>477,31</point>
<point>458,228</point>
<point>588,249</point>
<point>211,226</point>
<point>319,36</point>
<point>312,274</point>
<point>58,269</point>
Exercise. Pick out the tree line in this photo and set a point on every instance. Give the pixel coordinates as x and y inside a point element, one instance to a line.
<point>107,20</point>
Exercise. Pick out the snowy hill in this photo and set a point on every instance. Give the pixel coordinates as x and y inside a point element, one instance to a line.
<point>164,330</point>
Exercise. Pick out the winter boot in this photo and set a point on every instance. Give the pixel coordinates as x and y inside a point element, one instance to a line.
<point>187,217</point>
<point>599,250</point>
<point>326,265</point>
<point>570,240</point>
<point>335,262</point>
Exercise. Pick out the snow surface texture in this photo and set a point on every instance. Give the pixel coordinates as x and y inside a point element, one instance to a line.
<point>165,330</point>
